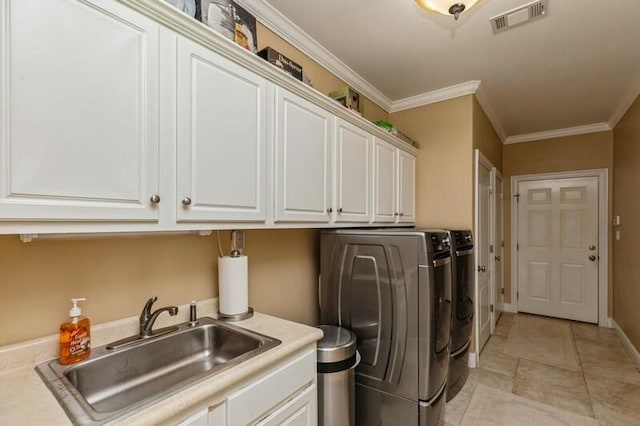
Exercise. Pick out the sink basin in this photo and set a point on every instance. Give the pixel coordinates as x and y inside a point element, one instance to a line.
<point>115,382</point>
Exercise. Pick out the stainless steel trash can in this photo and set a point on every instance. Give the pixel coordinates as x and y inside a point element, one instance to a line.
<point>337,361</point>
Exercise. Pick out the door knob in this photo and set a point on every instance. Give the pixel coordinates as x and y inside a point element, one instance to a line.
<point>592,258</point>
<point>481,269</point>
<point>592,248</point>
<point>498,258</point>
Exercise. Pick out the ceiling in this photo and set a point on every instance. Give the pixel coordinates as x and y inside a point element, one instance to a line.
<point>575,70</point>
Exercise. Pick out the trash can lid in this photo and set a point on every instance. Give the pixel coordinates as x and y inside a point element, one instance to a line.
<point>338,344</point>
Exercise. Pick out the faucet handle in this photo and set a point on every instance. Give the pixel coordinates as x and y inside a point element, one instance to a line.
<point>146,311</point>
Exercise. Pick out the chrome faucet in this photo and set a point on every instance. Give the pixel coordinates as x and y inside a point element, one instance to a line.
<point>147,319</point>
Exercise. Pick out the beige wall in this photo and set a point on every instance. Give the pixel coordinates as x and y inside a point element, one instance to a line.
<point>323,80</point>
<point>485,137</point>
<point>581,152</point>
<point>444,188</point>
<point>117,275</point>
<point>626,203</point>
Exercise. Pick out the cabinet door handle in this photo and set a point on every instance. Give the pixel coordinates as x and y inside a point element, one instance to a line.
<point>592,258</point>
<point>186,201</point>
<point>330,210</point>
<point>481,269</point>
<point>155,199</point>
<point>401,214</point>
<point>498,258</point>
<point>340,210</point>
<point>395,214</point>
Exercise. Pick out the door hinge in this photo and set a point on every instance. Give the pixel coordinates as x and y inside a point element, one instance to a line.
<point>517,246</point>
<point>502,290</point>
<point>517,196</point>
<point>491,248</point>
<point>517,295</point>
<point>491,308</point>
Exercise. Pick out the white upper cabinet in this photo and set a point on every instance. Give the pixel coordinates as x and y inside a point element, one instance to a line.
<point>304,135</point>
<point>352,173</point>
<point>385,176</point>
<point>222,138</point>
<point>78,112</point>
<point>394,184</point>
<point>406,187</point>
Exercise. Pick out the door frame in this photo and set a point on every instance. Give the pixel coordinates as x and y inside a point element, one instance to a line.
<point>495,175</point>
<point>479,159</point>
<point>603,233</point>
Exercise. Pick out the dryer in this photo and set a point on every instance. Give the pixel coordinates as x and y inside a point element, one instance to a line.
<point>462,312</point>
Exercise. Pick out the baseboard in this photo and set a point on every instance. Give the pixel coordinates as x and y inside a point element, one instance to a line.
<point>473,360</point>
<point>508,307</point>
<point>631,350</point>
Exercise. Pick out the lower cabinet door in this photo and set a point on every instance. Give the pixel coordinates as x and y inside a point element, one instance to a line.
<point>299,411</point>
<point>264,395</point>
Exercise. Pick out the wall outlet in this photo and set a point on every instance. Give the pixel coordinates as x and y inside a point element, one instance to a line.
<point>616,220</point>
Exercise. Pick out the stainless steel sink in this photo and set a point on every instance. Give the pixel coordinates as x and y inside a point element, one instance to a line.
<point>114,383</point>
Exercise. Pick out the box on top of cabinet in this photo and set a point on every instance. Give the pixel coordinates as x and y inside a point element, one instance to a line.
<point>348,98</point>
<point>276,58</point>
<point>231,20</point>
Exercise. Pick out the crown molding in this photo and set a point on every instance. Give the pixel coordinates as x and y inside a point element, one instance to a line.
<point>558,133</point>
<point>439,95</point>
<point>291,33</point>
<point>627,101</point>
<point>487,107</point>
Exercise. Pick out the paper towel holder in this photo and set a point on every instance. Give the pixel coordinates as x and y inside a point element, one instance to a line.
<point>236,317</point>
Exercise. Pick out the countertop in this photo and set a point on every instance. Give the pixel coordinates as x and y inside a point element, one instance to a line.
<point>25,399</point>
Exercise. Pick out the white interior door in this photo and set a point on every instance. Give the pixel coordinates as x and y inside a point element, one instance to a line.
<point>498,245</point>
<point>483,240</point>
<point>558,248</point>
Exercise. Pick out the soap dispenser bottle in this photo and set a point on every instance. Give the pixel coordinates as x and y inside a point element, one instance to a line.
<point>75,336</point>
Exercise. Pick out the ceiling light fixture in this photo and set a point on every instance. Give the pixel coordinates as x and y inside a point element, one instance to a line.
<point>446,7</point>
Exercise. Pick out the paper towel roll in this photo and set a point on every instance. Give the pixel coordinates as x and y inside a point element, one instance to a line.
<point>233,285</point>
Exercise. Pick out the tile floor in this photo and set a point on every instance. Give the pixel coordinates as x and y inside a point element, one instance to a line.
<point>543,371</point>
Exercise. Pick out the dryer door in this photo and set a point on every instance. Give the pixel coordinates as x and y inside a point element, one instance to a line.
<point>377,300</point>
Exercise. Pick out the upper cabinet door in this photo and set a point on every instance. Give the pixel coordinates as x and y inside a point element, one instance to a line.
<point>385,205</point>
<point>302,160</point>
<point>78,111</point>
<point>353,173</point>
<point>221,138</point>
<point>407,187</point>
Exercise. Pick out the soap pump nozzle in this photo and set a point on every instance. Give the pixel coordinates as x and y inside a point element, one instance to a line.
<point>75,310</point>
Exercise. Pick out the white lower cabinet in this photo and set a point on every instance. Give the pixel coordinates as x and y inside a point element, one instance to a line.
<point>286,395</point>
<point>300,411</point>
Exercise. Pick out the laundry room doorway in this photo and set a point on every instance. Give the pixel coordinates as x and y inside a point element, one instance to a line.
<point>559,245</point>
<point>484,264</point>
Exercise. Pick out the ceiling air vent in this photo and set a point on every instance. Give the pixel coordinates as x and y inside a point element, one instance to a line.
<point>519,15</point>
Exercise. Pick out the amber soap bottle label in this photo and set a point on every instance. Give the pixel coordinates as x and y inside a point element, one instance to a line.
<point>75,341</point>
